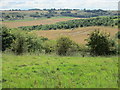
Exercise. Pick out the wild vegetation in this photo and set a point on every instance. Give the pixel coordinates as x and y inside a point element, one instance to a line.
<point>33,61</point>
<point>65,46</point>
<point>101,44</point>
<point>118,35</point>
<point>7,38</point>
<point>21,42</point>
<point>48,71</point>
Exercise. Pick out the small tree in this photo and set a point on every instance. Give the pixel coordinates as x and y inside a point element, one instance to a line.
<point>49,46</point>
<point>7,38</point>
<point>34,43</point>
<point>26,42</point>
<point>19,46</point>
<point>100,43</point>
<point>118,34</point>
<point>65,46</point>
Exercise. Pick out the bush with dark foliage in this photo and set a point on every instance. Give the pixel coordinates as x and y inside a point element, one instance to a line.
<point>100,43</point>
<point>7,38</point>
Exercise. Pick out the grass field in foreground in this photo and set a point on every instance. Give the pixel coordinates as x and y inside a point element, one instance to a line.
<point>47,71</point>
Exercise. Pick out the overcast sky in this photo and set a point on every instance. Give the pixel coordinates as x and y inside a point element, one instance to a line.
<point>72,4</point>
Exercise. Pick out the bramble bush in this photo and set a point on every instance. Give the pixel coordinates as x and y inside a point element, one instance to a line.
<point>34,43</point>
<point>27,42</point>
<point>19,46</point>
<point>118,34</point>
<point>7,38</point>
<point>100,43</point>
<point>21,42</point>
<point>65,46</point>
<point>49,46</point>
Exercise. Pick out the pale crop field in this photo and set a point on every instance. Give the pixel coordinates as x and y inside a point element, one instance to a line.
<point>40,21</point>
<point>78,34</point>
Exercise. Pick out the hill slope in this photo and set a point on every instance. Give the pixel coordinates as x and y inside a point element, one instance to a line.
<point>78,34</point>
<point>15,24</point>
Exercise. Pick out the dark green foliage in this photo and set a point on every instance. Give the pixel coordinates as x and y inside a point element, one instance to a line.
<point>49,46</point>
<point>103,21</point>
<point>7,38</point>
<point>65,46</point>
<point>19,46</point>
<point>26,42</point>
<point>100,43</point>
<point>84,50</point>
<point>43,38</point>
<point>12,16</point>
<point>35,16</point>
<point>118,35</point>
<point>34,43</point>
<point>118,47</point>
<point>21,41</point>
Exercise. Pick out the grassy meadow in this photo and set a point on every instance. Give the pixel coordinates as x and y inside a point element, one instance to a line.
<point>49,71</point>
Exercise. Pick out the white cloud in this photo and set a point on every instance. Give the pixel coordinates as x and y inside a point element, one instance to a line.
<point>90,4</point>
<point>105,4</point>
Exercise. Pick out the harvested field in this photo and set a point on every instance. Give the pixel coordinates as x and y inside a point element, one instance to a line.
<point>36,22</point>
<point>78,35</point>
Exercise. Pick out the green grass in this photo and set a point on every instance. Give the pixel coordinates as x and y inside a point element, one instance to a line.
<point>32,19</point>
<point>48,71</point>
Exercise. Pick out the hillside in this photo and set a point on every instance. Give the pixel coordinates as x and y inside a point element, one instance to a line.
<point>25,14</point>
<point>78,34</point>
<point>43,21</point>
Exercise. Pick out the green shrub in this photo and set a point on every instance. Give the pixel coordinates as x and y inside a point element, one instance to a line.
<point>84,50</point>
<point>19,46</point>
<point>34,43</point>
<point>100,43</point>
<point>74,49</point>
<point>65,46</point>
<point>7,38</point>
<point>118,34</point>
<point>118,48</point>
<point>49,46</point>
<point>27,42</point>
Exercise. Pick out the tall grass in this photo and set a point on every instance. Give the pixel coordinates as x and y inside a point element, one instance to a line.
<point>48,71</point>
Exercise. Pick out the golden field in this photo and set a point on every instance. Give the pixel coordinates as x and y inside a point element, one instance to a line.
<point>15,24</point>
<point>78,35</point>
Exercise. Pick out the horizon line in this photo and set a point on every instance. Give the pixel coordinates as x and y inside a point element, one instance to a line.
<point>57,9</point>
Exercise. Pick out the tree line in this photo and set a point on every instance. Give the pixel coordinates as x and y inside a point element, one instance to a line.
<point>99,21</point>
<point>21,42</point>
